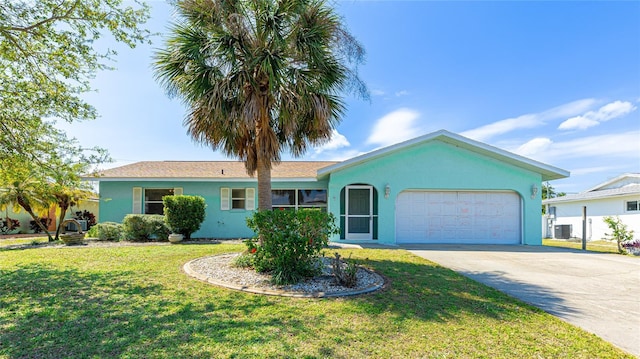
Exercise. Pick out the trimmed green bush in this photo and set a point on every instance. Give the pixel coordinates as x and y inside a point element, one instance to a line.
<point>184,214</point>
<point>106,231</point>
<point>291,242</point>
<point>144,228</point>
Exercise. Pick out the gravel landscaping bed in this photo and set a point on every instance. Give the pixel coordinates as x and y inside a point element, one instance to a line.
<point>219,270</point>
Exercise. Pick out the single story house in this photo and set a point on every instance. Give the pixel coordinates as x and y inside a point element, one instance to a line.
<point>619,196</point>
<point>437,188</point>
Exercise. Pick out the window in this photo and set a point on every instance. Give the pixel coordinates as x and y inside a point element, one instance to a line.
<point>153,199</point>
<point>295,199</point>
<point>237,198</point>
<point>633,206</point>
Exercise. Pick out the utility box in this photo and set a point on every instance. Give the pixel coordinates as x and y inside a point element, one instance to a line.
<point>562,231</point>
<point>72,226</point>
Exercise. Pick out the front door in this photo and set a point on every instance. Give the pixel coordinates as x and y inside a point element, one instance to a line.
<point>359,212</point>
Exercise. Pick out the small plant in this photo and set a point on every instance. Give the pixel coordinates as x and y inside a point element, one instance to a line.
<point>8,225</point>
<point>33,225</point>
<point>345,272</point>
<point>244,260</point>
<point>184,214</point>
<point>86,216</point>
<point>632,246</point>
<point>144,227</point>
<point>291,242</point>
<point>619,231</point>
<point>106,231</point>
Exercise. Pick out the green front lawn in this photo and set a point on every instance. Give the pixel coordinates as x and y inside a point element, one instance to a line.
<point>594,246</point>
<point>136,302</point>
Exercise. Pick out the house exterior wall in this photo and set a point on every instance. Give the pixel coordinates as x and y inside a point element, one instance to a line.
<point>116,201</point>
<point>25,218</point>
<point>436,165</point>
<point>597,209</point>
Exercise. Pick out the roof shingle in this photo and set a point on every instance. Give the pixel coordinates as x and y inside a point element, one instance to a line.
<point>208,170</point>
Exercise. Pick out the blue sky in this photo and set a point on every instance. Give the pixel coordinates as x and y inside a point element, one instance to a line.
<point>558,82</point>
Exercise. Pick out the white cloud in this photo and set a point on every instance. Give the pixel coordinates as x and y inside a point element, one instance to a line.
<point>394,127</point>
<point>534,146</point>
<point>593,118</point>
<point>617,146</point>
<point>578,122</point>
<point>613,147</point>
<point>531,120</point>
<point>402,93</point>
<point>337,141</point>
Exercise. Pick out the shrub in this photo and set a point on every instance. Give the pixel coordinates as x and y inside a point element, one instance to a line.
<point>291,242</point>
<point>184,214</point>
<point>33,225</point>
<point>107,231</point>
<point>245,260</point>
<point>144,227</point>
<point>632,246</point>
<point>86,216</point>
<point>9,225</point>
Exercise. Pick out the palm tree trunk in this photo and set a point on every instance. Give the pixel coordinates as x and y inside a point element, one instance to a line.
<point>39,223</point>
<point>264,185</point>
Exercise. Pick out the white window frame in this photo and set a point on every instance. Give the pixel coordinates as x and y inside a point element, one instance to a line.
<point>297,204</point>
<point>227,199</point>
<point>143,205</point>
<point>626,206</point>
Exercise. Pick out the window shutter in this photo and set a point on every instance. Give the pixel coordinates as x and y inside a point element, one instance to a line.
<point>177,191</point>
<point>137,200</point>
<point>225,193</point>
<point>250,200</point>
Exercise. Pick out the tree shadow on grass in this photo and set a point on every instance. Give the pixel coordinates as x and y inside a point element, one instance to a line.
<point>47,312</point>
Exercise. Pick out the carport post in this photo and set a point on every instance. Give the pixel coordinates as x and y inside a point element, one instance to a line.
<point>584,228</point>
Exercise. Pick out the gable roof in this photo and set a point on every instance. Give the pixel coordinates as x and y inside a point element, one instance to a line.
<point>601,191</point>
<point>634,177</point>
<point>606,193</point>
<point>548,172</point>
<point>206,171</point>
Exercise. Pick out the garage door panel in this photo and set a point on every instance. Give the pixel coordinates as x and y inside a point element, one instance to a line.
<point>458,217</point>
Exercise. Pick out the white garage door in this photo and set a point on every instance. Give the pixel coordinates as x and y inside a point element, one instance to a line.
<point>458,217</point>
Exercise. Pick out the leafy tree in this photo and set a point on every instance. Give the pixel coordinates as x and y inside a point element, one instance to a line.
<point>549,192</point>
<point>34,188</point>
<point>46,62</point>
<point>619,231</point>
<point>260,77</point>
<point>24,192</point>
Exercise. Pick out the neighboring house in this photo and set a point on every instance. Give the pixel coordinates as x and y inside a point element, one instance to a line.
<point>617,197</point>
<point>90,205</point>
<point>438,188</point>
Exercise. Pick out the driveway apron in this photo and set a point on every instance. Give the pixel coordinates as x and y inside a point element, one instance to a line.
<point>598,292</point>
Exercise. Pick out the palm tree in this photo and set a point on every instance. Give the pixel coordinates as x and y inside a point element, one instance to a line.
<point>25,194</point>
<point>260,77</point>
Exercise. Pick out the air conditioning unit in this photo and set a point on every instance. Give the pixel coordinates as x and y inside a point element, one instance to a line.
<point>72,226</point>
<point>562,231</point>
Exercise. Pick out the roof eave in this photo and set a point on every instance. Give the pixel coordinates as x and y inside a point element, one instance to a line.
<point>548,172</point>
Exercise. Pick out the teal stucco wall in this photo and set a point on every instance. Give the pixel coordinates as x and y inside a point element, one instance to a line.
<point>436,165</point>
<point>116,201</point>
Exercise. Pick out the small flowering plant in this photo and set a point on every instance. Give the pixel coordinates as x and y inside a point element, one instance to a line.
<point>632,246</point>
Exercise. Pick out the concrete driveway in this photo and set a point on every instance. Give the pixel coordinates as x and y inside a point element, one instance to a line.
<point>597,292</point>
